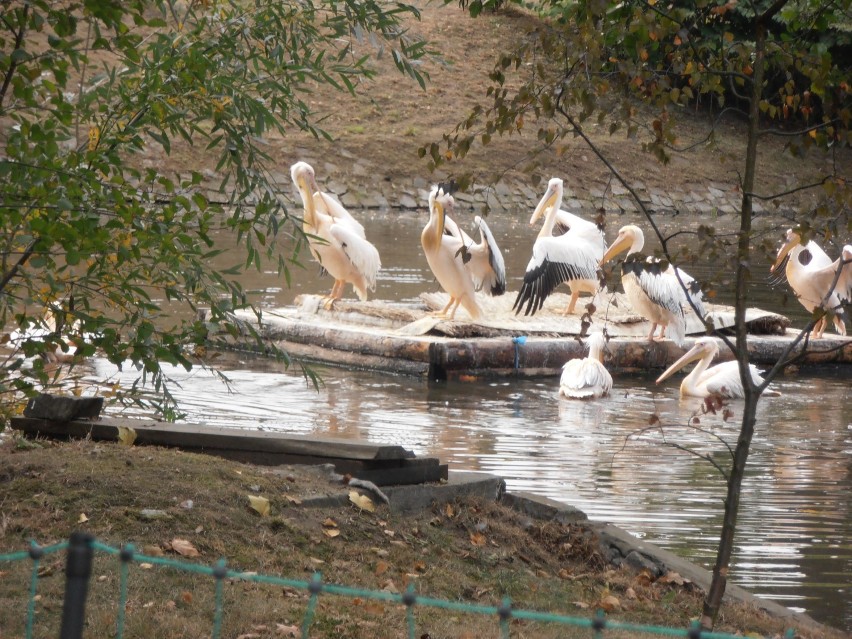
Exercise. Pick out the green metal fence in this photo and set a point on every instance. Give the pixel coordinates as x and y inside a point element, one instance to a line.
<point>81,547</point>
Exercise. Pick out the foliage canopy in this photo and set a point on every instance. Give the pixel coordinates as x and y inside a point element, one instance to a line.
<point>101,251</point>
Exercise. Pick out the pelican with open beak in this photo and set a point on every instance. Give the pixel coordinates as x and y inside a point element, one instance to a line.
<point>653,286</point>
<point>587,378</point>
<point>721,380</point>
<point>811,274</point>
<point>335,238</point>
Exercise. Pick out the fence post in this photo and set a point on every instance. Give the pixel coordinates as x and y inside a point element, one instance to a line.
<point>78,568</point>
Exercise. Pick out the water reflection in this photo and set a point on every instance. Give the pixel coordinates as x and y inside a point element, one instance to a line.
<point>795,520</point>
<point>793,540</point>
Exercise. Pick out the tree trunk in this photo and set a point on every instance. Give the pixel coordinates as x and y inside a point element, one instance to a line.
<point>716,592</point>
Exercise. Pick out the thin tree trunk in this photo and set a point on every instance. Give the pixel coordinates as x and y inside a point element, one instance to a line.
<point>716,592</point>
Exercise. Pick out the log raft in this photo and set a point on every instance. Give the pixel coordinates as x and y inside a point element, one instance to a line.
<point>409,340</point>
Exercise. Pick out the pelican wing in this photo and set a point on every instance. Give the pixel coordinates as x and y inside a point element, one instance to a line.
<point>693,290</point>
<point>495,277</point>
<point>575,226</point>
<point>724,379</point>
<point>584,378</point>
<point>555,260</point>
<point>360,252</point>
<point>824,277</point>
<point>454,230</point>
<point>328,203</point>
<point>662,288</point>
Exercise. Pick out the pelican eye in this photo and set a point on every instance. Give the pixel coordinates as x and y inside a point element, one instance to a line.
<point>805,257</point>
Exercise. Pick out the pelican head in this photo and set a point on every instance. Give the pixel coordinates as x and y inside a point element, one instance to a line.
<point>597,346</point>
<point>630,238</point>
<point>791,240</point>
<point>305,180</point>
<point>706,347</point>
<point>552,199</point>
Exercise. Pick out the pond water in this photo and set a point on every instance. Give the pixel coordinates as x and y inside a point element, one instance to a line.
<point>793,540</point>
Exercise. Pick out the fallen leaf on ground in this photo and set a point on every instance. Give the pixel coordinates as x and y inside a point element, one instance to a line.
<point>259,504</point>
<point>610,603</point>
<point>362,501</point>
<point>126,435</point>
<point>477,539</point>
<point>293,500</point>
<point>82,519</point>
<point>672,577</point>
<point>331,532</point>
<point>381,567</point>
<point>581,604</point>
<point>183,547</point>
<point>287,631</point>
<point>329,523</point>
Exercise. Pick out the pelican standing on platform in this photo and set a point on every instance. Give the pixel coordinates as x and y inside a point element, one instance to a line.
<point>810,273</point>
<point>721,380</point>
<point>445,257</point>
<point>572,257</point>
<point>587,378</point>
<point>652,286</point>
<point>573,225</point>
<point>336,239</point>
<point>483,261</point>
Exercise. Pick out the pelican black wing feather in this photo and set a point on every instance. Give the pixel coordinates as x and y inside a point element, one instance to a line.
<point>542,280</point>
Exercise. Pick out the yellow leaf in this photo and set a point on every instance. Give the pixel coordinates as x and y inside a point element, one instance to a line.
<point>184,547</point>
<point>477,539</point>
<point>259,504</point>
<point>82,519</point>
<point>610,603</point>
<point>293,500</point>
<point>362,501</point>
<point>94,137</point>
<point>329,523</point>
<point>331,532</point>
<point>126,435</point>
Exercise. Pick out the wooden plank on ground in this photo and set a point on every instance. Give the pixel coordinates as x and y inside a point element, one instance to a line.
<point>199,437</point>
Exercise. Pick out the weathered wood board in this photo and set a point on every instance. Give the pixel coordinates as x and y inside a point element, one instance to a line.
<point>383,464</point>
<point>408,340</point>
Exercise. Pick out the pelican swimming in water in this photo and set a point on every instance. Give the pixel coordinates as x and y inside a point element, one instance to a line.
<point>483,260</point>
<point>569,224</point>
<point>721,380</point>
<point>571,257</point>
<point>652,286</point>
<point>811,273</point>
<point>587,378</point>
<point>336,239</point>
<point>445,255</point>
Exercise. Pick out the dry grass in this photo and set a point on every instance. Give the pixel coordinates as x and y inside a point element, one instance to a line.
<point>468,551</point>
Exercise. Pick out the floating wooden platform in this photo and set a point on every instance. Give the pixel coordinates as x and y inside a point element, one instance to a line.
<point>379,463</point>
<point>380,336</point>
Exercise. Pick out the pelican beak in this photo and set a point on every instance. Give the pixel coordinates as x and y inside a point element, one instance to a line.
<point>792,241</point>
<point>439,211</point>
<point>621,243</point>
<point>545,203</point>
<point>694,353</point>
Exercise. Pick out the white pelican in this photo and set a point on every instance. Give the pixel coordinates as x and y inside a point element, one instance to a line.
<point>587,378</point>
<point>336,239</point>
<point>652,286</point>
<point>575,226</point>
<point>484,261</point>
<point>721,380</point>
<point>446,259</point>
<point>810,273</point>
<point>572,257</point>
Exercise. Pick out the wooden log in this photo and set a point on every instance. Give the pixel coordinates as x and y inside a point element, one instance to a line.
<point>206,438</point>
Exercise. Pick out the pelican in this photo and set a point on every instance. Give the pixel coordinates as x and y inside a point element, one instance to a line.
<point>445,257</point>
<point>721,380</point>
<point>810,273</point>
<point>652,286</point>
<point>572,257</point>
<point>587,378</point>
<point>577,227</point>
<point>336,239</point>
<point>484,261</point>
